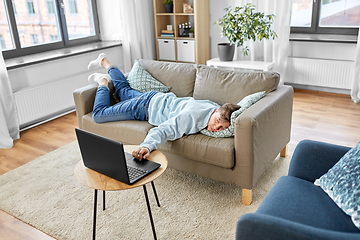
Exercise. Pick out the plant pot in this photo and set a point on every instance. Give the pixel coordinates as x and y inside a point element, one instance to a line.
<point>168,8</point>
<point>226,51</point>
<point>191,35</point>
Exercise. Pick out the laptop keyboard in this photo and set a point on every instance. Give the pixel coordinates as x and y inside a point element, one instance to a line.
<point>135,172</point>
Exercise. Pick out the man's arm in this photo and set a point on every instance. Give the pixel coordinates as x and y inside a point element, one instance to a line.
<point>172,129</point>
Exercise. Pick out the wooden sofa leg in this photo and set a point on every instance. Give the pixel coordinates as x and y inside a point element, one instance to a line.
<point>283,152</point>
<point>246,196</point>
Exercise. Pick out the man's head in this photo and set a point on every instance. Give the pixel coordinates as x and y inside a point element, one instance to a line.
<point>220,119</point>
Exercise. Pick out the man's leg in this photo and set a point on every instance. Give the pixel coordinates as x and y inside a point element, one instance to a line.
<point>122,87</point>
<point>125,110</point>
<point>130,109</point>
<point>133,104</point>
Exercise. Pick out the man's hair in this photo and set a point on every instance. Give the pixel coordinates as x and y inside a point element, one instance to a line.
<point>226,110</point>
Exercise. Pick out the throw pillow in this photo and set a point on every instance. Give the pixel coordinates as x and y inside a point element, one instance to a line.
<point>142,81</point>
<point>244,104</point>
<point>342,184</point>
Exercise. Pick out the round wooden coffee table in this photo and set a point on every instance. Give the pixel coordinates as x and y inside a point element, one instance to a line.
<point>98,181</point>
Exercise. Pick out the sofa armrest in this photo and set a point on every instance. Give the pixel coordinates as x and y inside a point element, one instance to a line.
<point>260,226</point>
<point>84,99</point>
<point>261,133</point>
<point>312,159</point>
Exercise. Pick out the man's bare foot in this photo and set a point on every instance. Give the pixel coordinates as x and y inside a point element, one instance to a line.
<point>105,63</point>
<point>104,81</point>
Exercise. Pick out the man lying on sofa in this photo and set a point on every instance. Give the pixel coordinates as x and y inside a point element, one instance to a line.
<point>172,116</point>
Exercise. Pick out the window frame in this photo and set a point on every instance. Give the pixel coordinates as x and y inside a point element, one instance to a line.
<point>64,43</point>
<point>316,29</point>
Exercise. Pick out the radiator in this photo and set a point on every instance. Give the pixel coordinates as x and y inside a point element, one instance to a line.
<point>38,103</point>
<point>318,72</point>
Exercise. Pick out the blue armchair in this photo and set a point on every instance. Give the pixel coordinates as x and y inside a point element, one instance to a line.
<point>297,209</point>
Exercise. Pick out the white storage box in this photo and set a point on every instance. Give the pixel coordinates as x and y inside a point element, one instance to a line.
<point>166,49</point>
<point>185,50</point>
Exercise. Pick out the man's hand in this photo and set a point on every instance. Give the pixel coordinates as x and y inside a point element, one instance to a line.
<point>141,153</point>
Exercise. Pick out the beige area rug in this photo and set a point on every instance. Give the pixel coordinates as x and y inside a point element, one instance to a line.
<point>45,194</point>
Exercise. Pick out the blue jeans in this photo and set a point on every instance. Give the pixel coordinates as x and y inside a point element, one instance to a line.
<point>133,105</point>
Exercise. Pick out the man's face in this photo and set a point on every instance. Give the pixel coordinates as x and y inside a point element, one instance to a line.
<point>214,124</point>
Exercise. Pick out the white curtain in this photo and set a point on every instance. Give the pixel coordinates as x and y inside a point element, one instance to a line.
<point>137,18</point>
<point>276,51</point>
<point>355,90</point>
<point>9,123</point>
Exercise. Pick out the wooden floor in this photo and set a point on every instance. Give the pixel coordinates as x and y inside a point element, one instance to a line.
<point>318,116</point>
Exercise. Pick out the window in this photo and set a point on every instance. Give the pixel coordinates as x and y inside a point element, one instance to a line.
<point>54,38</point>
<point>325,16</point>
<point>44,25</point>
<point>30,6</point>
<point>35,39</point>
<point>50,7</point>
<point>72,7</point>
<point>6,42</point>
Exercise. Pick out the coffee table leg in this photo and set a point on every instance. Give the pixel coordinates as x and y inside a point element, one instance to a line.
<point>149,210</point>
<point>157,199</point>
<point>94,223</point>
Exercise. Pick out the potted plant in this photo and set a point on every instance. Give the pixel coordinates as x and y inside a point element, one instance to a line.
<point>191,33</point>
<point>240,25</point>
<point>168,6</point>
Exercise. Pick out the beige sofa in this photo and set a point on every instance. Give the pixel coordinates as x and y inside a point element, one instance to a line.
<point>261,133</point>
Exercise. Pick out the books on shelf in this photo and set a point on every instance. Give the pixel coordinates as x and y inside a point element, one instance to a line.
<point>167,33</point>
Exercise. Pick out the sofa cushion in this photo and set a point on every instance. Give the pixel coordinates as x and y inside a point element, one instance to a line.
<point>300,201</point>
<point>218,85</point>
<point>342,183</point>
<point>198,147</point>
<point>179,76</point>
<point>244,104</point>
<point>127,132</point>
<point>140,80</point>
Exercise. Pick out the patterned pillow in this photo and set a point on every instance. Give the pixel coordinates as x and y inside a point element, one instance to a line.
<point>245,103</point>
<point>342,184</point>
<point>140,80</point>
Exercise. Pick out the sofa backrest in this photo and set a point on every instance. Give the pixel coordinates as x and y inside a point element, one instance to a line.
<point>204,82</point>
<point>179,76</point>
<point>222,86</point>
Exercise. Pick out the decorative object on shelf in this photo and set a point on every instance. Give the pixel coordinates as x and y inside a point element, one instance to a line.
<point>184,29</point>
<point>168,4</point>
<point>191,33</point>
<point>242,24</point>
<point>188,8</point>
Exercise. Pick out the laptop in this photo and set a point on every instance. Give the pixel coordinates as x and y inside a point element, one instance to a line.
<point>108,157</point>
